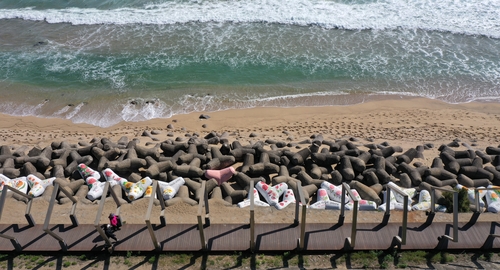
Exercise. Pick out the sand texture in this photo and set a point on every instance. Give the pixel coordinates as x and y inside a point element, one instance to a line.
<point>405,123</point>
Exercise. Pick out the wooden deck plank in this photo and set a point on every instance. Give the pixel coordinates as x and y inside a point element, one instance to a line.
<point>325,236</point>
<point>134,238</point>
<point>181,237</point>
<point>224,237</point>
<point>236,237</point>
<point>276,237</point>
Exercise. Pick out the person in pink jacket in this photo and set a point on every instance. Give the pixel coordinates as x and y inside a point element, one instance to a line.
<point>113,221</point>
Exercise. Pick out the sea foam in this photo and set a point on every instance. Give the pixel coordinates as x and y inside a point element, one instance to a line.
<point>465,17</point>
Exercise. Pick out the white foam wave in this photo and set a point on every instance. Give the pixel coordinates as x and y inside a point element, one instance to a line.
<point>69,111</point>
<point>296,96</point>
<point>13,108</point>
<point>487,99</point>
<point>62,111</point>
<point>75,111</point>
<point>141,109</point>
<point>473,17</point>
<point>225,101</point>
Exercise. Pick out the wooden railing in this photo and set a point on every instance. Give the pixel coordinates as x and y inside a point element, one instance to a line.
<point>453,238</point>
<point>27,214</point>
<point>101,208</point>
<point>156,191</point>
<point>72,215</point>
<point>347,190</point>
<point>392,187</point>
<point>204,218</point>
<point>203,203</point>
<point>300,202</point>
<point>476,202</point>
<point>252,216</point>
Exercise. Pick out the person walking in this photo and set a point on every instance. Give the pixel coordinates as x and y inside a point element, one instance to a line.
<point>114,221</point>
<point>110,232</point>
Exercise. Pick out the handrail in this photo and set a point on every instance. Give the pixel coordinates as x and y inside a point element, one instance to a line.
<point>476,201</point>
<point>301,241</point>
<point>156,191</point>
<point>203,203</point>
<point>476,196</point>
<point>68,194</point>
<point>72,215</point>
<point>27,214</point>
<point>252,216</point>
<point>346,189</point>
<point>393,187</point>
<point>101,208</point>
<point>455,210</point>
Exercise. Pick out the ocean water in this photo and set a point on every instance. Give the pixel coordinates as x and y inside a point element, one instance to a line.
<point>105,61</point>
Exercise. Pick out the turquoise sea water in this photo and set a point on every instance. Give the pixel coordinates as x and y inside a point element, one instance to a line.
<point>102,62</point>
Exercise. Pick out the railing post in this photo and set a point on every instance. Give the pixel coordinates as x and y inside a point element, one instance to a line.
<point>476,196</point>
<point>99,213</point>
<point>301,240</point>
<point>207,208</point>
<point>252,217</point>
<point>347,190</point>
<point>200,219</point>
<point>405,220</point>
<point>27,214</point>
<point>393,187</point>
<point>455,211</point>
<point>455,217</point>
<point>297,209</point>
<point>159,195</point>
<point>63,245</point>
<point>72,215</point>
<point>148,216</point>
<point>476,199</point>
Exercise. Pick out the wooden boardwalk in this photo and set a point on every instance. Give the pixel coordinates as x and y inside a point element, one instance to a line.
<point>269,237</point>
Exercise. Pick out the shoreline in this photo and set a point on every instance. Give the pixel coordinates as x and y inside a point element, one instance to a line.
<point>413,114</point>
<point>405,123</point>
<point>108,112</point>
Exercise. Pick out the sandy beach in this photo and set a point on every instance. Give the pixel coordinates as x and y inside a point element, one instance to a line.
<point>405,122</point>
